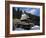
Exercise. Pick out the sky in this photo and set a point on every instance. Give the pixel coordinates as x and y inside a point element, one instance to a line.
<point>34,11</point>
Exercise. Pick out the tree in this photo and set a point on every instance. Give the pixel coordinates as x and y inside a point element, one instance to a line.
<point>14,12</point>
<point>17,14</point>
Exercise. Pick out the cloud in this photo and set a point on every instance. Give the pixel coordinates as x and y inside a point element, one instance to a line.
<point>32,11</point>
